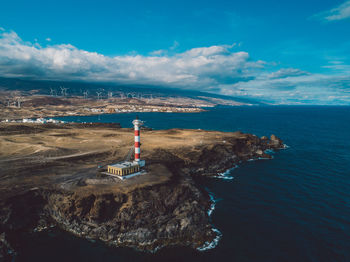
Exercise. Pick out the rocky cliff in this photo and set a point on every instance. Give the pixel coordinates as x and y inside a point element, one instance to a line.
<point>143,214</point>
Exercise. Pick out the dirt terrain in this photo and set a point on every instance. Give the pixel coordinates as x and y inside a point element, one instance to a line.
<point>48,178</point>
<point>45,155</point>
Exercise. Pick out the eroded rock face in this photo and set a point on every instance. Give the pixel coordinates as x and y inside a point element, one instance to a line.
<point>147,218</point>
<point>6,251</point>
<point>172,213</point>
<point>275,142</point>
<point>220,157</point>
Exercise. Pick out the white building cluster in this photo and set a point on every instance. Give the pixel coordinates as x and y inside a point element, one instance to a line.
<point>36,121</point>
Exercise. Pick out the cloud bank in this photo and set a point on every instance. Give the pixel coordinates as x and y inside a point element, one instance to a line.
<point>216,69</point>
<point>338,13</point>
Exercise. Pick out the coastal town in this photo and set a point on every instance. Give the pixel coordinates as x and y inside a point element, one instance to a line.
<point>18,105</point>
<point>37,106</point>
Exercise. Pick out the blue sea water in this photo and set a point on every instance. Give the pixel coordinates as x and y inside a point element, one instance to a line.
<point>295,207</point>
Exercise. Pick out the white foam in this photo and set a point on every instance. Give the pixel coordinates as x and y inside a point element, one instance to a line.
<point>212,244</point>
<point>212,205</point>
<point>227,174</point>
<point>265,158</point>
<point>213,201</point>
<point>269,151</point>
<point>260,158</point>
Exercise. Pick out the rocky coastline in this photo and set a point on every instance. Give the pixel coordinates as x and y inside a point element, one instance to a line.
<point>174,212</point>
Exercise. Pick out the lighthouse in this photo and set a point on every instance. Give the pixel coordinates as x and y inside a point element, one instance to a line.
<point>126,168</point>
<point>137,124</point>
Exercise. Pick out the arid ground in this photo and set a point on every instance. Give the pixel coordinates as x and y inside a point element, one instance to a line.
<point>66,155</point>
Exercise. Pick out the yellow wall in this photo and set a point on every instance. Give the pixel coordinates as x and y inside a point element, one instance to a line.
<point>123,171</point>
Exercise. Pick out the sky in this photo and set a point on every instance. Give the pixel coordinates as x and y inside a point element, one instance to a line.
<point>280,52</point>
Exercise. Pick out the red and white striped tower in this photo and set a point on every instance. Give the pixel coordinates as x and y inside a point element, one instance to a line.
<point>137,124</point>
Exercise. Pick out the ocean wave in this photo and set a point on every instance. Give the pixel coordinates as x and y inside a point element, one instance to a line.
<point>260,158</point>
<point>227,174</point>
<point>213,203</point>
<point>269,151</point>
<point>212,244</point>
<point>265,158</point>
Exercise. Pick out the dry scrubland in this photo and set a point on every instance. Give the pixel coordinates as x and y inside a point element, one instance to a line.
<point>65,156</point>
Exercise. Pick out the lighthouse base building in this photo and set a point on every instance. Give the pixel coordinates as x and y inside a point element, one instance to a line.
<point>123,168</point>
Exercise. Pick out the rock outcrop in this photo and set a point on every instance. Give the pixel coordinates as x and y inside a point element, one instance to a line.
<point>275,142</point>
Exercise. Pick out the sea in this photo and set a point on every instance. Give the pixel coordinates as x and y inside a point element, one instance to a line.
<point>294,207</point>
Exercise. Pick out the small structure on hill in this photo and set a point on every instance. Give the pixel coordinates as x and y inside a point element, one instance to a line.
<point>129,168</point>
<point>123,168</point>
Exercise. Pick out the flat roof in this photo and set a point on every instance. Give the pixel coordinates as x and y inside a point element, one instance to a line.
<point>124,164</point>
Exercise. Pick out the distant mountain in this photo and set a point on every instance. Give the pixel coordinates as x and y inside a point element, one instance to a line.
<point>77,88</point>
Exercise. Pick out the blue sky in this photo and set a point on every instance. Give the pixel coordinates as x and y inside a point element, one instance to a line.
<point>282,52</point>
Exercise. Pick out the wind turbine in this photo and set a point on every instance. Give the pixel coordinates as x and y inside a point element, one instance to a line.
<point>19,100</point>
<point>86,94</point>
<point>110,95</point>
<point>62,90</point>
<point>98,95</point>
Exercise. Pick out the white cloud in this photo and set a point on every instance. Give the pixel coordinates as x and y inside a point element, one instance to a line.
<point>193,68</point>
<point>159,52</point>
<point>48,39</point>
<point>337,66</point>
<point>215,68</point>
<point>299,89</point>
<point>338,13</point>
<point>165,51</point>
<point>287,72</point>
<point>175,45</point>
